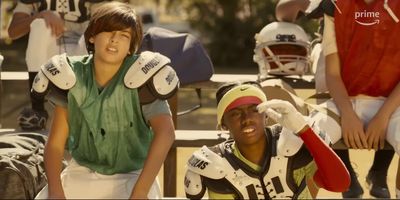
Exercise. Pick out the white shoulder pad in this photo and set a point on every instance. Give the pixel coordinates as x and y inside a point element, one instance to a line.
<point>165,81</point>
<point>288,143</point>
<point>40,83</point>
<point>144,68</point>
<point>59,72</point>
<point>207,163</point>
<point>193,184</point>
<point>321,133</point>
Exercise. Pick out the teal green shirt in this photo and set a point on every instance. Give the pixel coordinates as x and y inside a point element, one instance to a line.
<point>107,132</point>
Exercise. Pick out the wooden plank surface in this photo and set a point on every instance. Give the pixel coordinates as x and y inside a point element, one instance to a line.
<point>8,76</point>
<point>304,82</point>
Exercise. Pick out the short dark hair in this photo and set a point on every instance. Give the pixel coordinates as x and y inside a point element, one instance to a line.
<point>223,89</point>
<point>113,16</point>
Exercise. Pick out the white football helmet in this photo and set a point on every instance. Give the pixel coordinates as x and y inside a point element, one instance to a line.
<point>282,48</point>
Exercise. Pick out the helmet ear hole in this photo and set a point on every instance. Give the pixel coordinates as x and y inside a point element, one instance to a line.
<point>282,48</point>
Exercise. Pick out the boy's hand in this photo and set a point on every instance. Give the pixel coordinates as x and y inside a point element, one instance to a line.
<point>376,132</point>
<point>284,113</point>
<point>53,22</point>
<point>353,131</point>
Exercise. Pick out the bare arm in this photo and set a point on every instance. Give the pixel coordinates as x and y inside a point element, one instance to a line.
<point>54,152</point>
<point>164,136</point>
<point>391,103</point>
<point>20,23</point>
<point>352,126</point>
<point>287,10</point>
<point>335,83</point>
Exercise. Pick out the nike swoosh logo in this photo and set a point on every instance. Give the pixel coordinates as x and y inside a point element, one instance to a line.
<point>243,89</point>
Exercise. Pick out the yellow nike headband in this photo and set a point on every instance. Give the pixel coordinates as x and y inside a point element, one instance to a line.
<point>237,96</point>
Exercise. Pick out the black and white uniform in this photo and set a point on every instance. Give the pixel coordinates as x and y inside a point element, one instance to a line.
<point>219,170</point>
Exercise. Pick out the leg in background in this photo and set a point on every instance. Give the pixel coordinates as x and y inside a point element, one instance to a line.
<point>355,190</point>
<point>376,178</point>
<point>35,118</point>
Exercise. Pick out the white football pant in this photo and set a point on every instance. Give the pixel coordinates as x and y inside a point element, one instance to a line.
<point>42,45</point>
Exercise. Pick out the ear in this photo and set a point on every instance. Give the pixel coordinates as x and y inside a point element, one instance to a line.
<point>91,40</point>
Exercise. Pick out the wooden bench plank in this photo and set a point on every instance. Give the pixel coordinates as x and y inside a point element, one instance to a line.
<point>10,76</point>
<point>340,145</point>
<point>304,82</point>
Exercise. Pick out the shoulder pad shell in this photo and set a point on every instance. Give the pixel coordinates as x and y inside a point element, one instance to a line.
<point>59,72</point>
<point>40,83</point>
<point>288,143</point>
<point>144,68</point>
<point>165,81</point>
<point>207,163</point>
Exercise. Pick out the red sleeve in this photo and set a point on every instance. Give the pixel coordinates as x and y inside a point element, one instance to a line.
<point>331,174</point>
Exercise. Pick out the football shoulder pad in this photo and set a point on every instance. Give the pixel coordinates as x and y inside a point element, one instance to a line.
<point>57,71</point>
<point>194,187</point>
<point>289,144</point>
<point>152,74</point>
<point>208,164</point>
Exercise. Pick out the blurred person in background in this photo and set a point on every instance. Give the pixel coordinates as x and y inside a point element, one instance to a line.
<point>54,27</point>
<point>362,76</point>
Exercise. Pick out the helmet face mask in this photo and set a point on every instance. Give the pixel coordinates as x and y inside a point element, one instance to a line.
<point>282,49</point>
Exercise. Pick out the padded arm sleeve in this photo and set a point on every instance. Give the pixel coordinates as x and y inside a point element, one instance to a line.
<point>332,174</point>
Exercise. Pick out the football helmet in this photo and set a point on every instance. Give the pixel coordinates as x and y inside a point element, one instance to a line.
<point>282,49</point>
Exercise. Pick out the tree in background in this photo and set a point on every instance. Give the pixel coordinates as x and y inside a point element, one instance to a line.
<point>227,27</point>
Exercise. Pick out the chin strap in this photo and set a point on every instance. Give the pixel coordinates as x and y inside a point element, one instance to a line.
<point>331,174</point>
<point>390,11</point>
<point>337,8</point>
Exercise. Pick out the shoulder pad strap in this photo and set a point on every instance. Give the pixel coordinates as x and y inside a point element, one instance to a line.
<point>40,83</point>
<point>208,164</point>
<point>275,130</point>
<point>59,72</point>
<point>144,68</point>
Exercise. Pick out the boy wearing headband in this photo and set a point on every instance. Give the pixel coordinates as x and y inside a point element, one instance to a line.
<point>262,162</point>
